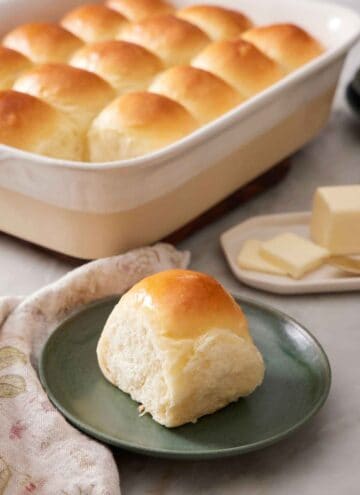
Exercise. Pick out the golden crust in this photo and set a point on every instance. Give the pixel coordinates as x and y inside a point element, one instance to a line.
<point>189,304</point>
<point>17,112</point>
<point>241,65</point>
<point>174,40</point>
<point>43,42</point>
<point>145,109</point>
<point>138,10</point>
<point>288,44</point>
<point>94,22</point>
<point>135,124</point>
<point>32,125</point>
<point>12,64</point>
<point>126,66</point>
<point>80,93</point>
<point>179,344</point>
<point>194,89</point>
<point>217,22</point>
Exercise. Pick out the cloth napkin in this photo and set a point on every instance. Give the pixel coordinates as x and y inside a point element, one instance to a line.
<point>40,453</point>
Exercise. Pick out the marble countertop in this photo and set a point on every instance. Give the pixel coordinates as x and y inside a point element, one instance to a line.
<point>322,457</point>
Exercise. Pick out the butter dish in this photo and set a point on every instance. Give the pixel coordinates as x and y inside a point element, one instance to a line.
<point>327,278</point>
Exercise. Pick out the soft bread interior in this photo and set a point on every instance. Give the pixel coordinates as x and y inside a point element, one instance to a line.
<point>179,366</point>
<point>210,372</point>
<point>130,359</point>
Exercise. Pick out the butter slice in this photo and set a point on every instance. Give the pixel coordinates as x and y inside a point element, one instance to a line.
<point>335,221</point>
<point>250,259</point>
<point>293,254</point>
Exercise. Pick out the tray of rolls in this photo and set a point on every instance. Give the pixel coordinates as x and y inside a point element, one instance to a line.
<point>122,121</point>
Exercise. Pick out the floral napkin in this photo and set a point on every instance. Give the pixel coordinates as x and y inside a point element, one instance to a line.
<point>40,453</point>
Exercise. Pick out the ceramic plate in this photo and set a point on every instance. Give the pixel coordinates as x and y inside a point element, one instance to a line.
<point>296,385</point>
<point>325,279</point>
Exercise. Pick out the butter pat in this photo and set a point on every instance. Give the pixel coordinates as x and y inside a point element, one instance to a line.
<point>250,259</point>
<point>335,222</point>
<point>293,254</point>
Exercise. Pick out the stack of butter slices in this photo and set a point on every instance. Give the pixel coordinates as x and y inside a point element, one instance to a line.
<point>334,230</point>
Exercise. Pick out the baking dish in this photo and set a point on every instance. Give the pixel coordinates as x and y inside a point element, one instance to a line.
<point>92,210</point>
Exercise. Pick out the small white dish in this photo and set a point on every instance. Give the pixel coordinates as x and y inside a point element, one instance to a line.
<point>324,279</point>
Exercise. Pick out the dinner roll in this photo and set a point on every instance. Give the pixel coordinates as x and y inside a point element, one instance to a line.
<point>43,42</point>
<point>12,64</point>
<point>217,22</point>
<point>178,343</point>
<point>32,125</point>
<point>77,92</point>
<point>94,22</point>
<point>174,40</point>
<point>288,44</point>
<point>135,124</point>
<point>240,64</point>
<point>126,66</point>
<point>205,95</point>
<point>138,10</point>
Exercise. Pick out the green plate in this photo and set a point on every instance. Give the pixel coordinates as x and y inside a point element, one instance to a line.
<point>296,385</point>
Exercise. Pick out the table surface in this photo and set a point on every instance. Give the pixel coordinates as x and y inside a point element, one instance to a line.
<point>324,456</point>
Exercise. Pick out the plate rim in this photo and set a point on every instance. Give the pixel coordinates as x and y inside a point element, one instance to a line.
<point>184,454</point>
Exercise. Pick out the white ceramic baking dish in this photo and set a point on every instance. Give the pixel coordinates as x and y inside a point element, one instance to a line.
<point>94,210</point>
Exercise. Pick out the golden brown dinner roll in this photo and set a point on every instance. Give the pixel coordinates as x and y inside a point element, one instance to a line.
<point>217,22</point>
<point>178,343</point>
<point>135,124</point>
<point>32,125</point>
<point>288,44</point>
<point>12,64</point>
<point>42,42</point>
<point>174,40</point>
<point>138,10</point>
<point>205,95</point>
<point>126,66</point>
<point>240,64</point>
<point>94,22</point>
<point>79,93</point>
